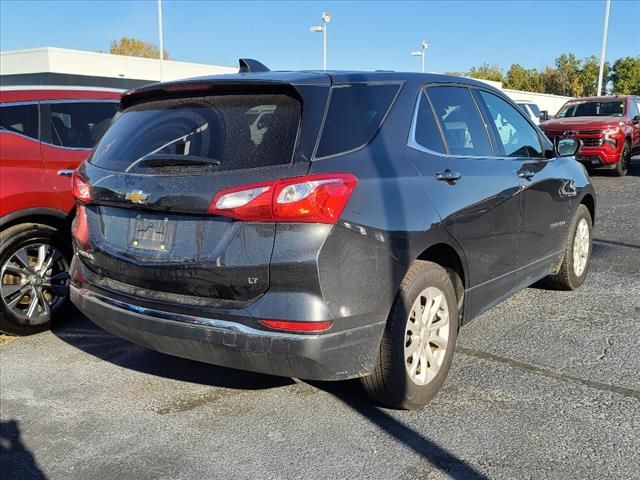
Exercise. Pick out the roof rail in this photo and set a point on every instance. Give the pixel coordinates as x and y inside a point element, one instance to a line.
<point>248,65</point>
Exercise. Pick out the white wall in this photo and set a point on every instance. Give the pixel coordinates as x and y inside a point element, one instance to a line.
<point>79,62</point>
<point>545,101</point>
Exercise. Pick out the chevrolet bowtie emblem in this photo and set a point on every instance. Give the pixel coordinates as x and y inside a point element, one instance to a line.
<point>137,196</point>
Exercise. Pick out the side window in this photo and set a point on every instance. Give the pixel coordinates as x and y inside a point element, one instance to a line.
<point>355,114</point>
<point>21,119</point>
<point>426,131</point>
<point>518,137</point>
<point>460,120</point>
<point>80,124</point>
<point>633,108</point>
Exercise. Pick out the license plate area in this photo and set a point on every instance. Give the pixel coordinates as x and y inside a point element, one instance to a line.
<point>152,233</point>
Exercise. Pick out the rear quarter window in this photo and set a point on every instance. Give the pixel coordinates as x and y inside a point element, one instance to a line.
<point>355,114</point>
<point>22,119</point>
<point>233,131</point>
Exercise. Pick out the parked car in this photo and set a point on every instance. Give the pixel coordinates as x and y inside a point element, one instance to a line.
<point>376,214</point>
<point>532,111</point>
<point>45,132</point>
<point>609,128</point>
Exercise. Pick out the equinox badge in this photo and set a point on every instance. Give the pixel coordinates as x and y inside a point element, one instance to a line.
<point>137,196</point>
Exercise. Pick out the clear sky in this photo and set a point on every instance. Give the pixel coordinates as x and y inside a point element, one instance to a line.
<point>363,34</point>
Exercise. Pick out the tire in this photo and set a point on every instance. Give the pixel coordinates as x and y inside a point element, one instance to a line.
<point>622,167</point>
<point>19,253</point>
<point>391,383</point>
<point>570,276</point>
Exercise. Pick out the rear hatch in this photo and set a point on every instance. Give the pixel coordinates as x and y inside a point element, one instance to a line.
<point>154,175</point>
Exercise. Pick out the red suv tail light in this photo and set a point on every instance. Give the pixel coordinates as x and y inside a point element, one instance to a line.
<point>80,228</point>
<point>311,199</point>
<point>81,188</point>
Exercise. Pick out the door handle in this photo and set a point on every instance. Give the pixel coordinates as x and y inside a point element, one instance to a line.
<point>528,174</point>
<point>448,176</point>
<point>65,172</point>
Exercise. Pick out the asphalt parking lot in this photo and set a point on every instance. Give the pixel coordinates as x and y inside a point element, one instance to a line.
<point>546,385</point>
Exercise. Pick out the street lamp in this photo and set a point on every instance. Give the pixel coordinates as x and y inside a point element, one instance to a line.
<point>326,18</point>
<point>421,53</point>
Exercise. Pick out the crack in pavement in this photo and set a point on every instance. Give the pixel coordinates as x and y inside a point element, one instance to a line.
<point>617,244</point>
<point>626,392</point>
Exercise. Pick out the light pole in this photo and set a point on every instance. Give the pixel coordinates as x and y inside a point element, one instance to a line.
<point>604,44</point>
<point>421,53</point>
<point>326,18</point>
<point>161,39</point>
<point>425,45</point>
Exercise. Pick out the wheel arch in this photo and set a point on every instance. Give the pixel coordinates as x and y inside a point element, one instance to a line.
<point>589,201</point>
<point>454,262</point>
<point>52,217</point>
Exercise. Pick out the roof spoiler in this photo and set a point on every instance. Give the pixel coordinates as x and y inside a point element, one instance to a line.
<point>248,65</point>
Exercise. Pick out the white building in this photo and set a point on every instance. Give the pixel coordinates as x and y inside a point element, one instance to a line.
<point>61,66</point>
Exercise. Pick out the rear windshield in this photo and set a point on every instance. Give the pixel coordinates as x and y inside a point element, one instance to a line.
<point>225,132</point>
<point>355,114</point>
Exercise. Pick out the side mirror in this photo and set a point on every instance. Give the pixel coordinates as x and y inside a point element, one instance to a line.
<point>568,147</point>
<point>544,115</point>
<point>636,119</point>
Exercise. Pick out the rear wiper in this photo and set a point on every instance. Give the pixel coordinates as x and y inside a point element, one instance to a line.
<point>170,160</point>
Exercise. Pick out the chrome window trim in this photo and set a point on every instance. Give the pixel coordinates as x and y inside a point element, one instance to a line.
<point>11,132</point>
<point>414,145</point>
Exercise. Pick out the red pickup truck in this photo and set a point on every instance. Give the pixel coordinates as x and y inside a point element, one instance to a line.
<point>45,133</point>
<point>609,128</point>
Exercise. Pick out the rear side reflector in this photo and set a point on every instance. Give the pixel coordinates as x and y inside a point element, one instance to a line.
<point>80,228</point>
<point>81,188</point>
<point>311,199</point>
<point>295,326</point>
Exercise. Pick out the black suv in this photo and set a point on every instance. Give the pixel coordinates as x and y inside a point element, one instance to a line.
<point>323,225</point>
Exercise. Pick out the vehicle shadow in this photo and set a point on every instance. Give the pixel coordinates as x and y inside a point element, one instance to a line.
<point>17,462</point>
<point>84,335</point>
<point>351,394</point>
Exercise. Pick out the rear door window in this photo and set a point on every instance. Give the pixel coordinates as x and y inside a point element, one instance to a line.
<point>22,119</point>
<point>79,124</point>
<point>460,121</point>
<point>518,137</point>
<point>355,114</point>
<point>223,132</point>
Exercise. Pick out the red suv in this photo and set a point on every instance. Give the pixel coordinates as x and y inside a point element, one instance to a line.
<point>609,128</point>
<point>45,133</point>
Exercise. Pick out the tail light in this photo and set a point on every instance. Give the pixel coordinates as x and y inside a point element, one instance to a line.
<point>297,326</point>
<point>311,199</point>
<point>81,188</point>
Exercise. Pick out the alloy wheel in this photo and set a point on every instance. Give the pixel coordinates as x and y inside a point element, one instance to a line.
<point>581,247</point>
<point>33,282</point>
<point>426,336</point>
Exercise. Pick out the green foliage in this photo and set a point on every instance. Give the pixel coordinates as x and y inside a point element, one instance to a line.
<point>626,76</point>
<point>135,48</point>
<point>486,72</point>
<point>569,76</point>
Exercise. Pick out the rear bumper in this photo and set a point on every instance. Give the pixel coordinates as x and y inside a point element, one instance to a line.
<point>330,356</point>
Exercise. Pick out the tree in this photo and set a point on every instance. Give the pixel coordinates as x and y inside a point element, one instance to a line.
<point>486,72</point>
<point>626,76</point>
<point>589,75</point>
<point>520,78</point>
<point>568,69</point>
<point>136,48</point>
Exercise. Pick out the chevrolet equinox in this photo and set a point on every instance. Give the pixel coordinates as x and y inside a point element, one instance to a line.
<point>323,225</point>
